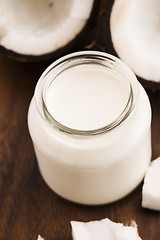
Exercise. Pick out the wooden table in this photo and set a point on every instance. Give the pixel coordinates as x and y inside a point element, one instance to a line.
<point>27,206</point>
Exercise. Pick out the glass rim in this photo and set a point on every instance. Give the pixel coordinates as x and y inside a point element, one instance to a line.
<point>82,58</point>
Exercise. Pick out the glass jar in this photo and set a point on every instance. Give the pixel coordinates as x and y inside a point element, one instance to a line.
<point>105,156</point>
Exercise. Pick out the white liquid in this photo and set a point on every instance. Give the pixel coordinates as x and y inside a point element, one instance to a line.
<point>91,169</point>
<point>86,97</point>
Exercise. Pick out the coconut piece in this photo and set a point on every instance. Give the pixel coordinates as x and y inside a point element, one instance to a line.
<point>151,186</point>
<point>104,229</point>
<point>40,238</point>
<point>41,26</point>
<point>135,33</point>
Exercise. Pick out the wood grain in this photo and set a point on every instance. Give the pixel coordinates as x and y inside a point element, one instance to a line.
<point>27,206</point>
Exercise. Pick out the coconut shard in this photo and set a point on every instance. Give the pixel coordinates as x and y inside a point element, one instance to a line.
<point>135,33</point>
<point>33,30</point>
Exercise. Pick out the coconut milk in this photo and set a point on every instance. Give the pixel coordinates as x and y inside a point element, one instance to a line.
<point>86,97</point>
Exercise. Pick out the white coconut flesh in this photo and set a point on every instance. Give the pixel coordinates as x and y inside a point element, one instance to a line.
<point>40,238</point>
<point>151,186</point>
<point>104,229</point>
<point>35,27</point>
<point>135,33</point>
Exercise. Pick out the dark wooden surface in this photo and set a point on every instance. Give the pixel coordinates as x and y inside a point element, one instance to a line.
<point>27,206</point>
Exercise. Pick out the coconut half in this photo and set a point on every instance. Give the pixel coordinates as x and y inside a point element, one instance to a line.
<point>135,33</point>
<point>38,27</point>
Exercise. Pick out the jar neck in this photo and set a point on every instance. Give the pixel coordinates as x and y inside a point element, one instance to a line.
<point>86,57</point>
